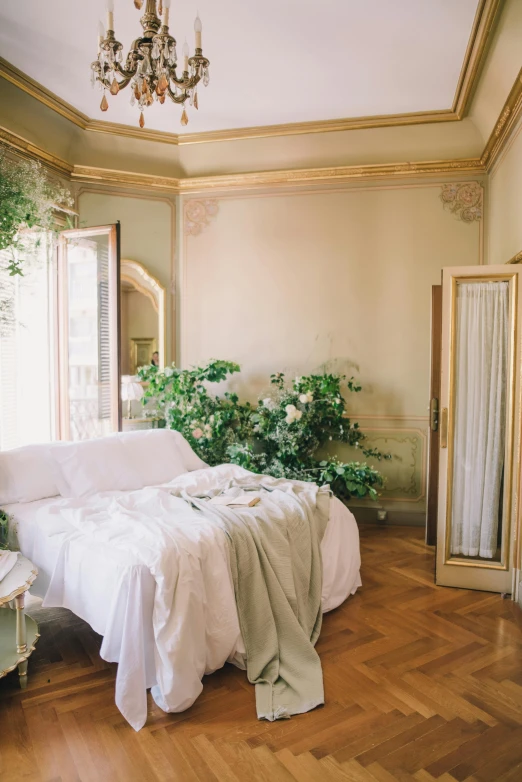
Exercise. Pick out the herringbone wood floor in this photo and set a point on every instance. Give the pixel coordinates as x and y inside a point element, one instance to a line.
<point>422,683</point>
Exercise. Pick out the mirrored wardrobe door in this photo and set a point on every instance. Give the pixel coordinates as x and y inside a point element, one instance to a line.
<point>479,422</point>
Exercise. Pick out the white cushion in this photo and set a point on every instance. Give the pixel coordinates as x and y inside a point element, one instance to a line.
<point>26,474</point>
<point>154,455</point>
<point>189,456</point>
<point>92,466</point>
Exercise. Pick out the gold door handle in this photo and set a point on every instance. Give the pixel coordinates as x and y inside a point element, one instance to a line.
<point>434,414</point>
<point>444,428</point>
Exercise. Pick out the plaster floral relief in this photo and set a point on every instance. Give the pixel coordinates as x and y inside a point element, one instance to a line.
<point>198,213</point>
<point>464,200</point>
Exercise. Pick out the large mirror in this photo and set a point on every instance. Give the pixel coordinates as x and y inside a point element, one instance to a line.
<point>142,318</point>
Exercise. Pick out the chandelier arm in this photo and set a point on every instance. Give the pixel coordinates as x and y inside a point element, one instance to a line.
<point>176,98</point>
<point>126,74</point>
<point>186,84</point>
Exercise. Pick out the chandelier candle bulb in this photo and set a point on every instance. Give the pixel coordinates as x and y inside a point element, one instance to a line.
<point>185,56</point>
<point>110,15</point>
<point>166,12</point>
<point>101,34</point>
<point>198,28</point>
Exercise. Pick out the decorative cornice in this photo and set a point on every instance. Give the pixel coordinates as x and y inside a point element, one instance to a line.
<point>504,125</point>
<point>480,35</point>
<point>128,178</point>
<point>45,96</point>
<point>464,200</point>
<point>30,151</point>
<point>338,174</point>
<point>197,214</point>
<point>290,177</point>
<point>487,13</point>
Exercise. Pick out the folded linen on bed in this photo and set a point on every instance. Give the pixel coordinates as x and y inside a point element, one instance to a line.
<point>275,558</point>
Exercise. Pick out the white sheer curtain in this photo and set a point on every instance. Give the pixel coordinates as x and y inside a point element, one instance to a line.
<point>481,353</point>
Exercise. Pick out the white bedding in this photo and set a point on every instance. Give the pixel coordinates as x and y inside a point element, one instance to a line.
<point>114,591</point>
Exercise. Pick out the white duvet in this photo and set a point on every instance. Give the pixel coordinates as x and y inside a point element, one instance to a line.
<point>169,613</point>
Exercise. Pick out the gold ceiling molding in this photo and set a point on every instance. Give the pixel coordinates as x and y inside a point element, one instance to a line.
<point>109,176</point>
<point>45,96</point>
<point>30,151</point>
<point>290,177</point>
<point>504,125</point>
<point>485,17</point>
<point>486,14</point>
<point>516,258</point>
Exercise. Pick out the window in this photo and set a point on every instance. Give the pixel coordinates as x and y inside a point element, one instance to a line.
<point>27,349</point>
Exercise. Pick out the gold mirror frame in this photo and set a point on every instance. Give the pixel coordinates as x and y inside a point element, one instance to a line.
<point>138,276</point>
<point>509,451</point>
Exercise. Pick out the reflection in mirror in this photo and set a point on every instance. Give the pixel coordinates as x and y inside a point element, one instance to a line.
<point>143,324</point>
<point>142,303</point>
<point>480,391</point>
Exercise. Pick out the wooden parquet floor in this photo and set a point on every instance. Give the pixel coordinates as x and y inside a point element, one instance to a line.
<point>422,683</point>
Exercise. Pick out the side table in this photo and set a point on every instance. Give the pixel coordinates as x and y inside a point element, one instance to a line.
<point>18,632</point>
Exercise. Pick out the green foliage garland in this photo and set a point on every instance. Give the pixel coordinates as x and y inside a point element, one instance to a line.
<point>281,436</point>
<point>27,200</point>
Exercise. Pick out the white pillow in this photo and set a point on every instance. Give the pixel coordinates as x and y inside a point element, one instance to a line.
<point>190,457</point>
<point>92,466</point>
<point>154,455</point>
<point>26,474</point>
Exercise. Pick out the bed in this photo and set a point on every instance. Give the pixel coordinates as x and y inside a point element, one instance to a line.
<point>110,586</point>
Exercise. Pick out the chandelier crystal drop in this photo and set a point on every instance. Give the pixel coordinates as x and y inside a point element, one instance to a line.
<point>151,64</point>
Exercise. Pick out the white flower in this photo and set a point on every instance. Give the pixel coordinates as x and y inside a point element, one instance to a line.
<point>269,403</point>
<point>211,419</point>
<point>292,414</point>
<point>310,396</point>
<point>168,372</point>
<point>338,400</point>
<point>197,433</point>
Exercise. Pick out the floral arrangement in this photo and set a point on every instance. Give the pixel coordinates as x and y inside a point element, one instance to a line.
<point>281,436</point>
<point>27,200</point>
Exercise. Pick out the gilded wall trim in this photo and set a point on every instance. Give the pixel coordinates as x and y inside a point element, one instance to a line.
<point>504,125</point>
<point>487,13</point>
<point>290,177</point>
<point>30,151</point>
<point>516,258</point>
<point>477,46</point>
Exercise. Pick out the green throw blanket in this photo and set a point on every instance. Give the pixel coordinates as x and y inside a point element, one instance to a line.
<point>275,559</point>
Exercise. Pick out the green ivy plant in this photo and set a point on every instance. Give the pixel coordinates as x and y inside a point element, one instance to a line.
<point>281,436</point>
<point>4,530</point>
<point>27,201</point>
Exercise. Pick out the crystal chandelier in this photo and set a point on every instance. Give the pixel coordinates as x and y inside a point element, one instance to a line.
<point>150,67</point>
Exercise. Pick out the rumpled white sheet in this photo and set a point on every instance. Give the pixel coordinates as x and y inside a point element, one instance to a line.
<point>169,614</point>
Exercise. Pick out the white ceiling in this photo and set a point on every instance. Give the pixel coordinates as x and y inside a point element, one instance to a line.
<point>275,61</point>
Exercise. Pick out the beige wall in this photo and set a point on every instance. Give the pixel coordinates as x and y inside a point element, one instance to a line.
<point>148,229</point>
<point>504,204</point>
<point>287,282</point>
